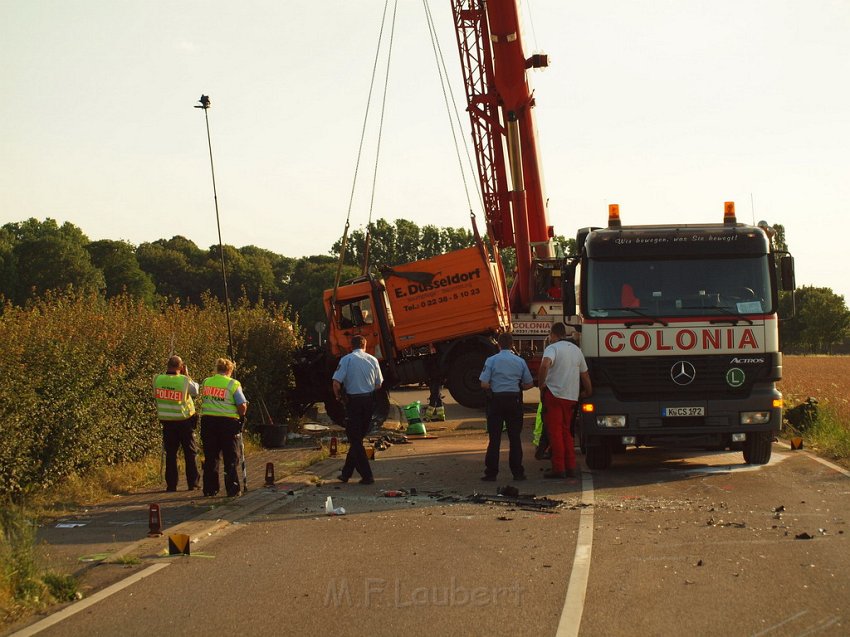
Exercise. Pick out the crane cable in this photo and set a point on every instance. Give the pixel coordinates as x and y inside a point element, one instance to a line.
<point>357,163</point>
<point>378,149</point>
<point>451,107</point>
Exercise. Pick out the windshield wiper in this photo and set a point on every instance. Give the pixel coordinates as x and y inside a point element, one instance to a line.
<point>734,317</point>
<point>651,320</point>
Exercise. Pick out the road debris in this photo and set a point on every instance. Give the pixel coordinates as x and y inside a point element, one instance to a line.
<point>523,501</point>
<point>804,536</point>
<point>736,525</point>
<point>330,510</point>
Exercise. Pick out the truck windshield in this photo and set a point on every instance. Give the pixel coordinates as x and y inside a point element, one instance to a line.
<point>737,286</point>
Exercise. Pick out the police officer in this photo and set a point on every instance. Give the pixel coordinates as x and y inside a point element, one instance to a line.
<point>223,406</point>
<point>505,376</point>
<point>174,391</point>
<point>355,381</point>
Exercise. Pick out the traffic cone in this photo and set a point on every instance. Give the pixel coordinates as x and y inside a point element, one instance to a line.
<point>796,443</point>
<point>270,474</point>
<point>154,521</point>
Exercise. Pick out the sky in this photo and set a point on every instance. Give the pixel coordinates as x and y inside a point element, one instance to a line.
<point>668,108</point>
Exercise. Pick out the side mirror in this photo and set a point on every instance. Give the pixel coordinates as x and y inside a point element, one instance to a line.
<point>786,271</point>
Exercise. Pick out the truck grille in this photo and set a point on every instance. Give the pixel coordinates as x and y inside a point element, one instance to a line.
<point>649,378</point>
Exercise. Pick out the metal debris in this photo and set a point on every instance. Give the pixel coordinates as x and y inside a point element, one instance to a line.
<point>528,501</point>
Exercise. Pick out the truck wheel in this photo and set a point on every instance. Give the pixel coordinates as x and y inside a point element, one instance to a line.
<point>757,447</point>
<point>335,411</point>
<point>598,457</point>
<point>382,410</point>
<point>462,379</point>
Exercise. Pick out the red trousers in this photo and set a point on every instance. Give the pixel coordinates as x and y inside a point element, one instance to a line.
<point>558,418</point>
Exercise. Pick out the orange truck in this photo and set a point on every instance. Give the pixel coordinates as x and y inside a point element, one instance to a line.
<point>426,321</point>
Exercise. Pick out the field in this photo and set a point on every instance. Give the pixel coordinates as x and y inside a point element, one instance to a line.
<point>826,378</point>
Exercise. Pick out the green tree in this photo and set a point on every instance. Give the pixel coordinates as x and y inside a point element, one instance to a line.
<point>280,265</point>
<point>177,266</point>
<point>117,260</point>
<point>821,321</point>
<point>48,256</point>
<point>779,243</point>
<point>8,264</point>
<point>310,278</point>
<point>401,241</point>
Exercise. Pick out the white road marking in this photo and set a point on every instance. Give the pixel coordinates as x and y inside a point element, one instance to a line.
<point>816,458</point>
<point>73,609</point>
<point>577,588</point>
<point>782,623</point>
<point>822,624</point>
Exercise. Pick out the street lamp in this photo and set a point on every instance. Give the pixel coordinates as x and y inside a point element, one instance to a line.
<point>205,104</point>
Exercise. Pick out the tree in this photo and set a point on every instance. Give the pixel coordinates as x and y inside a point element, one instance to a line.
<point>50,257</point>
<point>8,264</point>
<point>779,243</point>
<point>310,278</point>
<point>177,266</point>
<point>117,260</point>
<point>821,321</point>
<point>401,242</point>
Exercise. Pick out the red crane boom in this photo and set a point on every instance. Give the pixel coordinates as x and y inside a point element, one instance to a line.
<point>500,106</point>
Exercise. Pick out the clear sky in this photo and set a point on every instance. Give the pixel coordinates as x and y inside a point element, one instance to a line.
<point>668,108</point>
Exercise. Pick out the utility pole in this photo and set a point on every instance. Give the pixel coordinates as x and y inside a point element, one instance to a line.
<point>205,104</point>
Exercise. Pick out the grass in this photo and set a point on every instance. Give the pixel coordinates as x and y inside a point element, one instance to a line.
<point>829,436</point>
<point>24,586</point>
<point>826,378</point>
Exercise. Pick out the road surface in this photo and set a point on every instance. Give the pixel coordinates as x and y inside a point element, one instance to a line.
<point>663,543</point>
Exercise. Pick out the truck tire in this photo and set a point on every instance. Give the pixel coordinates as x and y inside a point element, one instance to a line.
<point>335,411</point>
<point>382,410</point>
<point>462,379</point>
<point>598,457</point>
<point>757,447</point>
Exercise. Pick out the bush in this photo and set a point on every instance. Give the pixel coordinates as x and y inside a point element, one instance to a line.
<point>20,585</point>
<point>80,370</point>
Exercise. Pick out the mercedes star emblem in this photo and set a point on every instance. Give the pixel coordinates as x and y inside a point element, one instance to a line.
<point>683,373</point>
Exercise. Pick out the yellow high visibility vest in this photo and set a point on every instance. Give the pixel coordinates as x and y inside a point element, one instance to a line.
<point>217,396</point>
<point>173,401</point>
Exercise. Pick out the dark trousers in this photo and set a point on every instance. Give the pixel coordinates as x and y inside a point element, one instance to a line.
<point>358,418</point>
<point>219,438</point>
<point>177,434</point>
<point>507,409</point>
<point>435,398</point>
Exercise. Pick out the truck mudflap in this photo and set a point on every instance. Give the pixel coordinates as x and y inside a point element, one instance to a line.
<point>711,423</point>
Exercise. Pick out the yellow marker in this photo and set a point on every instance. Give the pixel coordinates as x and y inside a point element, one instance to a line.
<point>178,544</point>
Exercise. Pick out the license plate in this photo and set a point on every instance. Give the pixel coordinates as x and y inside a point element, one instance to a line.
<point>683,411</point>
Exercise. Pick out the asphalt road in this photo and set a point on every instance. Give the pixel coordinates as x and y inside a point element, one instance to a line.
<point>683,543</point>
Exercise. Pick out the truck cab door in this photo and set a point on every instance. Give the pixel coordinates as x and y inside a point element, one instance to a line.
<point>355,316</point>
